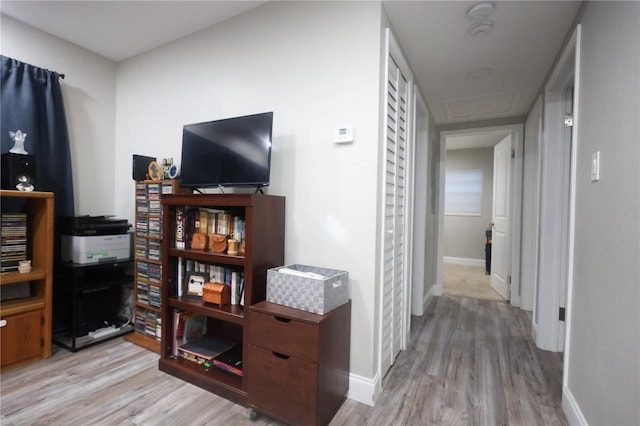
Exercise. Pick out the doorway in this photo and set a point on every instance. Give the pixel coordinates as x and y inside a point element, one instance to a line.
<point>466,214</point>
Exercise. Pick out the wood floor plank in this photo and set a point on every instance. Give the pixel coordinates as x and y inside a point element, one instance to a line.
<point>469,362</point>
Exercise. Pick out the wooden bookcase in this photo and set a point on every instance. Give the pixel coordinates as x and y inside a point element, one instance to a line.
<point>147,255</point>
<point>264,217</point>
<point>25,335</point>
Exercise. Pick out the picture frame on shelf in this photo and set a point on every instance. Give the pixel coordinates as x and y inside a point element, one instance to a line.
<point>193,285</point>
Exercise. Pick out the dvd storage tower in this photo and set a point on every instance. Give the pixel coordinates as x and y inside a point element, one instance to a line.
<point>25,333</point>
<point>205,340</point>
<point>148,261</point>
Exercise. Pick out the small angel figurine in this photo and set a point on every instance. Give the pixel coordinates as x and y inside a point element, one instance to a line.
<point>18,137</point>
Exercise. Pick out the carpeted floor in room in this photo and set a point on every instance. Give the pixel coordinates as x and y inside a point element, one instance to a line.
<point>467,281</point>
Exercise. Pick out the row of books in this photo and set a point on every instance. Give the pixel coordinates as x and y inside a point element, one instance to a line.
<point>151,226</point>
<point>152,190</point>
<point>192,343</point>
<point>14,240</point>
<point>148,322</point>
<point>149,294</point>
<point>149,249</point>
<point>149,207</point>
<point>190,220</point>
<point>148,279</point>
<point>149,272</point>
<point>232,277</point>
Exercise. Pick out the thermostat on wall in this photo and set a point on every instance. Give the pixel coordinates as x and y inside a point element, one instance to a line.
<point>343,134</point>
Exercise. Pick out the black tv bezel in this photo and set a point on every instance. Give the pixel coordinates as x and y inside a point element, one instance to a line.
<point>231,184</point>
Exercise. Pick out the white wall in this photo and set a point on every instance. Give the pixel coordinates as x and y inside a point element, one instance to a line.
<point>464,236</point>
<point>530,205</point>
<point>316,65</point>
<point>89,97</point>
<point>604,343</point>
<point>431,250</point>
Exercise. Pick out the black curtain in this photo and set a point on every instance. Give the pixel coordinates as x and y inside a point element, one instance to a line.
<point>31,101</point>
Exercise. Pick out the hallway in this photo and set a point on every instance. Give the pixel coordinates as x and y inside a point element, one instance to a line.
<point>470,362</point>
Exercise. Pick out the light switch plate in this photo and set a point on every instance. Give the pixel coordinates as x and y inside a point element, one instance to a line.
<point>595,166</point>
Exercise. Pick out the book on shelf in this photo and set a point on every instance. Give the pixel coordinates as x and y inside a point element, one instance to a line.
<point>181,237</point>
<point>143,207</point>
<point>167,188</point>
<point>142,248</point>
<point>155,299</point>
<point>153,190</point>
<point>147,323</point>
<point>230,360</point>
<point>205,348</point>
<point>142,291</point>
<point>188,326</point>
<point>155,207</point>
<point>14,241</point>
<point>141,191</point>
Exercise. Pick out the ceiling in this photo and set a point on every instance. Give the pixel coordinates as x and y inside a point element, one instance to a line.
<point>475,139</point>
<point>464,78</point>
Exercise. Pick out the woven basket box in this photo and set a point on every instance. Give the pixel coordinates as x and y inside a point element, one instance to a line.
<point>312,294</point>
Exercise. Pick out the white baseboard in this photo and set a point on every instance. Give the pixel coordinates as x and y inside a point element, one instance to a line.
<point>364,390</point>
<point>572,409</point>
<point>464,261</point>
<point>429,295</point>
<point>437,289</point>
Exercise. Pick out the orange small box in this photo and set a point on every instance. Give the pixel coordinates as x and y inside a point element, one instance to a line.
<point>216,293</point>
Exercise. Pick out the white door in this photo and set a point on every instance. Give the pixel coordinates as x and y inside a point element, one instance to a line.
<point>393,273</point>
<point>501,246</point>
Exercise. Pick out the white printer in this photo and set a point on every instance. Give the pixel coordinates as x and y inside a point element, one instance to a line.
<point>94,239</point>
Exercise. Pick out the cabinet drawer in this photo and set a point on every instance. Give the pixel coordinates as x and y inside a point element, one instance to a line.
<point>283,386</point>
<point>21,337</point>
<point>284,335</point>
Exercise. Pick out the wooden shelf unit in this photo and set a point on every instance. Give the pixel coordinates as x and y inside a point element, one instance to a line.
<point>26,337</point>
<point>264,217</point>
<point>146,213</point>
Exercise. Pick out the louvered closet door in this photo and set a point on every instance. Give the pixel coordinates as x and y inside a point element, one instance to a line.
<point>394,215</point>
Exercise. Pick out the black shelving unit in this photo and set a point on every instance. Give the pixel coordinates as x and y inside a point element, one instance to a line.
<point>88,297</point>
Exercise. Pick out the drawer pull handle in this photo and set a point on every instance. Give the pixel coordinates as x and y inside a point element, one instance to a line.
<point>279,355</point>
<point>281,319</point>
<point>3,323</point>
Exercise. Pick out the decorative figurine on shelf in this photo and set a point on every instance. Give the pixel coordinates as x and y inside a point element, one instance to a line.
<point>233,247</point>
<point>24,266</point>
<point>198,241</point>
<point>155,172</point>
<point>18,137</point>
<point>217,243</point>
<point>216,293</point>
<point>166,167</point>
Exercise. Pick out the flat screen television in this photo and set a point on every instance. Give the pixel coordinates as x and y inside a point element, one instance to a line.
<point>232,152</point>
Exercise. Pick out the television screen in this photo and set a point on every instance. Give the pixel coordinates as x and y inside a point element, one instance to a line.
<point>230,152</point>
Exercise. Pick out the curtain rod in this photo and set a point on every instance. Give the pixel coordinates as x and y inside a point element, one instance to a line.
<point>61,76</point>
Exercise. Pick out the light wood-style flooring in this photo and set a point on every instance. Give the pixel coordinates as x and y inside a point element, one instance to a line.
<point>470,362</point>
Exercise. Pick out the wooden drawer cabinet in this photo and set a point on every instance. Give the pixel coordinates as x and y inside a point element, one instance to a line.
<point>25,322</point>
<point>299,362</point>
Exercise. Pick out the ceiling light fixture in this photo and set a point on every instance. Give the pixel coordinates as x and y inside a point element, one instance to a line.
<point>481,10</point>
